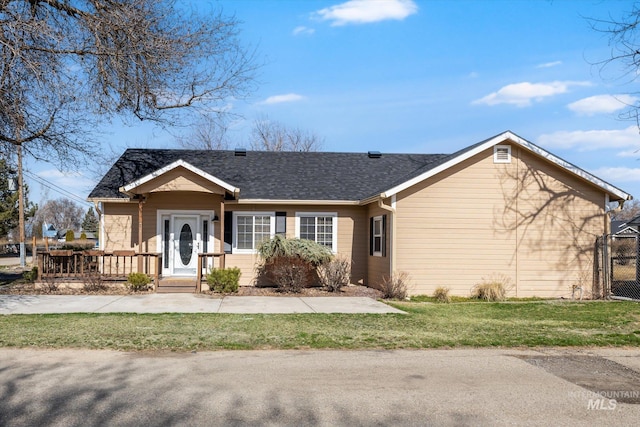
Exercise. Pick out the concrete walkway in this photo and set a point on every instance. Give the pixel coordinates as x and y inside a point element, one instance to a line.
<point>187,303</point>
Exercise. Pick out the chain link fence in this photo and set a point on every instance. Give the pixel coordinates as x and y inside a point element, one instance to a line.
<point>617,263</point>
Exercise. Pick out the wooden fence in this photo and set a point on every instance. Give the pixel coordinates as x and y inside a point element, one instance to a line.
<point>116,265</point>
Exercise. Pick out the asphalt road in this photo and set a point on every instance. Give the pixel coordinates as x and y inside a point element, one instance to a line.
<point>333,388</point>
<point>13,260</point>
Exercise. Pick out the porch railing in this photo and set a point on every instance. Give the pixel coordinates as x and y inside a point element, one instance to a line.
<point>116,265</point>
<point>205,262</point>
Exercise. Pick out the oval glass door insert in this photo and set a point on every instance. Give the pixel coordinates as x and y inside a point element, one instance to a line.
<point>186,244</point>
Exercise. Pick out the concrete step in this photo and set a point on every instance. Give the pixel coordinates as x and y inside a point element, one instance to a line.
<point>175,289</point>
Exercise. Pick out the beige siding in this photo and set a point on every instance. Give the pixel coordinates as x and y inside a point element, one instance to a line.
<point>379,267</point>
<point>352,237</point>
<point>179,179</point>
<point>119,220</point>
<point>528,221</point>
<point>121,225</point>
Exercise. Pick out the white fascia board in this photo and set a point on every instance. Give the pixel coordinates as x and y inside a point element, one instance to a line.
<point>295,202</point>
<point>573,169</point>
<point>626,229</point>
<point>515,139</point>
<point>170,167</point>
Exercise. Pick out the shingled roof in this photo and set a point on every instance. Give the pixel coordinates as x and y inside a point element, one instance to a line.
<point>276,175</point>
<point>314,176</point>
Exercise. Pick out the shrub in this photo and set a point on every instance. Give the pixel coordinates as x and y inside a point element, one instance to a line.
<point>395,286</point>
<point>138,281</point>
<point>441,294</point>
<point>30,275</point>
<point>289,274</point>
<point>307,250</point>
<point>335,274</point>
<point>93,282</point>
<point>492,289</point>
<point>70,236</point>
<point>224,280</point>
<point>291,264</point>
<point>77,245</point>
<point>83,236</point>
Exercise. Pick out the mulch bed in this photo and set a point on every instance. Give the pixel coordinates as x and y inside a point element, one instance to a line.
<point>347,291</point>
<point>12,283</point>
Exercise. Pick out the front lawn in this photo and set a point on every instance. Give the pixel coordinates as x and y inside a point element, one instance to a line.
<point>511,324</point>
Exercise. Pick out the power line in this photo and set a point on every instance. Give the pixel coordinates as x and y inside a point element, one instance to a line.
<point>57,189</point>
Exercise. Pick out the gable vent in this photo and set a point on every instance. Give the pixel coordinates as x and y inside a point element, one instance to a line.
<point>240,152</point>
<point>374,154</point>
<point>502,154</point>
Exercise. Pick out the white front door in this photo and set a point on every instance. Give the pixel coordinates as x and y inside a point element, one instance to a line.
<point>186,245</point>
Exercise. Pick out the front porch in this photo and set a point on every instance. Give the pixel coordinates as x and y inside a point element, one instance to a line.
<point>115,266</point>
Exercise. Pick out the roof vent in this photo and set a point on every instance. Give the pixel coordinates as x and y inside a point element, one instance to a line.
<point>375,154</point>
<point>241,152</point>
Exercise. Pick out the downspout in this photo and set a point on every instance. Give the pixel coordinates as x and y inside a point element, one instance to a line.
<point>392,230</point>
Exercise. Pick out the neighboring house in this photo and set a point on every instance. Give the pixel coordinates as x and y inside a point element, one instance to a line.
<point>503,206</point>
<point>49,231</point>
<point>623,230</point>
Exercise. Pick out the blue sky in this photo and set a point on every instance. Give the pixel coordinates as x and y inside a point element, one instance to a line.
<point>426,77</point>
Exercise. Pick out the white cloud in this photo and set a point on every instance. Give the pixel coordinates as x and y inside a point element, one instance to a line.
<point>549,64</point>
<point>279,99</point>
<point>367,11</point>
<point>302,30</point>
<point>589,140</point>
<point>600,104</point>
<point>619,174</point>
<point>522,94</point>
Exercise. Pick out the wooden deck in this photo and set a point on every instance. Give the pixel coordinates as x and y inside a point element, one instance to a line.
<point>116,265</point>
<point>69,265</point>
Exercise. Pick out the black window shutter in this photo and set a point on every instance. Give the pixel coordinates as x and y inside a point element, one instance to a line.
<point>384,235</point>
<point>281,223</point>
<point>228,231</point>
<point>371,236</point>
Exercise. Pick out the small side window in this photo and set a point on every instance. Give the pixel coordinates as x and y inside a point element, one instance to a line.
<point>377,226</point>
<point>502,154</point>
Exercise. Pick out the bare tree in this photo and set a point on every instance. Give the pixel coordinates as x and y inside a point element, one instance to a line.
<point>62,213</point>
<point>629,211</point>
<point>67,63</point>
<point>210,133</point>
<point>624,60</point>
<point>269,135</point>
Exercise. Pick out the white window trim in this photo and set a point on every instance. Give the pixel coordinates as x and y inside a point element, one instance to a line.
<point>334,226</point>
<point>236,214</point>
<point>496,150</point>
<point>382,232</point>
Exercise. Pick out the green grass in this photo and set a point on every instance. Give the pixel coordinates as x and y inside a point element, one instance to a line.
<point>425,326</point>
